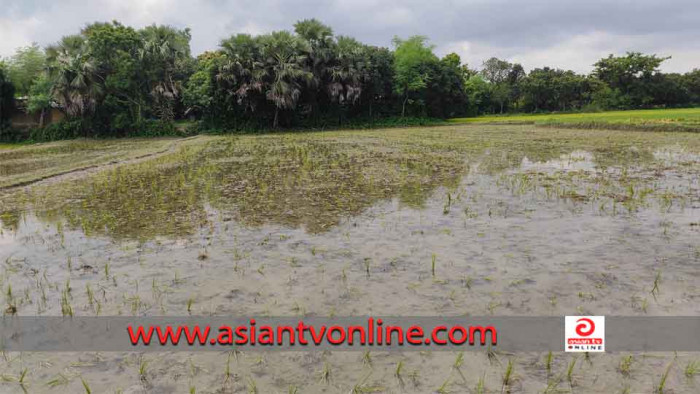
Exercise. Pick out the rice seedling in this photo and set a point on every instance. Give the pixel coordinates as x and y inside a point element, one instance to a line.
<point>691,369</point>
<point>657,281</point>
<point>481,385</point>
<point>86,386</point>
<point>143,370</point>
<point>659,389</point>
<point>444,387</point>
<point>548,362</point>
<point>570,372</point>
<point>190,301</point>
<point>325,373</point>
<point>22,376</point>
<point>457,365</point>
<point>448,204</point>
<point>66,308</point>
<point>508,376</point>
<point>90,294</point>
<point>227,371</point>
<point>399,369</point>
<point>252,386</point>
<point>367,358</point>
<point>59,380</point>
<point>468,281</point>
<point>492,356</point>
<point>625,365</point>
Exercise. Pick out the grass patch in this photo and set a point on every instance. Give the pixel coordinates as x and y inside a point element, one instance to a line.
<point>677,119</point>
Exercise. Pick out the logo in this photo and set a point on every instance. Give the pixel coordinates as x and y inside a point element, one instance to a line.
<point>584,333</point>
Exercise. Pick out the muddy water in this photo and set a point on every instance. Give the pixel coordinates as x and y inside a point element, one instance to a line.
<point>519,222</point>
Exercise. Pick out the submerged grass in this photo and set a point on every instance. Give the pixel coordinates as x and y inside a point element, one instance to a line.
<point>313,180</point>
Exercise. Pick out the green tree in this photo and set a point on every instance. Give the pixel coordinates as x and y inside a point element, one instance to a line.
<point>165,49</point>
<point>198,92</point>
<point>445,94</point>
<point>76,83</point>
<point>631,75</point>
<point>286,75</point>
<point>691,83</point>
<point>478,94</point>
<point>7,94</point>
<point>112,49</point>
<point>497,72</point>
<point>242,71</point>
<point>25,66</point>
<point>39,97</point>
<point>411,60</point>
<point>379,72</point>
<point>320,58</point>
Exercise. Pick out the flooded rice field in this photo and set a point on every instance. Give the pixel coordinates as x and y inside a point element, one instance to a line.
<point>517,220</point>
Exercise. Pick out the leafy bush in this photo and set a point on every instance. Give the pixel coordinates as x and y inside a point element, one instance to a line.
<point>64,130</point>
<point>157,128</point>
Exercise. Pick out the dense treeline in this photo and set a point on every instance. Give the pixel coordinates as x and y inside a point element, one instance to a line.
<point>112,79</point>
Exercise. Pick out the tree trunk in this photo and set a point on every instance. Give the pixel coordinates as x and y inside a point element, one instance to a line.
<point>403,107</point>
<point>41,117</point>
<point>501,107</point>
<point>275,122</point>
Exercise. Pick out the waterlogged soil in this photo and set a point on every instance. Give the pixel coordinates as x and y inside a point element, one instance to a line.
<point>518,220</point>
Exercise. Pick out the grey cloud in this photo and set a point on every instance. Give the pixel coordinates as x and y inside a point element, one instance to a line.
<point>526,30</point>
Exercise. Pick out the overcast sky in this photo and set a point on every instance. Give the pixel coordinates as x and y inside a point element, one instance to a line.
<point>560,33</point>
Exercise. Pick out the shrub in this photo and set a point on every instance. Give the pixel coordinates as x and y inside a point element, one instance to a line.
<point>159,128</point>
<point>64,130</point>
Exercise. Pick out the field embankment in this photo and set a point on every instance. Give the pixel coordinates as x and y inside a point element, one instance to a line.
<point>25,164</point>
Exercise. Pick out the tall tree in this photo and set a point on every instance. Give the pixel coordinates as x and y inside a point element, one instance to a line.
<point>497,72</point>
<point>25,66</point>
<point>411,60</point>
<point>164,50</point>
<point>286,75</point>
<point>7,94</point>
<point>242,70</point>
<point>76,83</point>
<point>320,58</point>
<point>630,75</point>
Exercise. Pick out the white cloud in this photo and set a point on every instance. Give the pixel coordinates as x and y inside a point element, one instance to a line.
<point>580,52</point>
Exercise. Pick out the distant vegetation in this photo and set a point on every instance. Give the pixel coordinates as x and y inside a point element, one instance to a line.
<point>678,119</point>
<point>114,80</point>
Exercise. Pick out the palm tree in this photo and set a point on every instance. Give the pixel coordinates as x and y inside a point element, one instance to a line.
<point>348,74</point>
<point>284,56</point>
<point>242,71</point>
<point>76,82</point>
<point>163,47</point>
<point>319,58</point>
